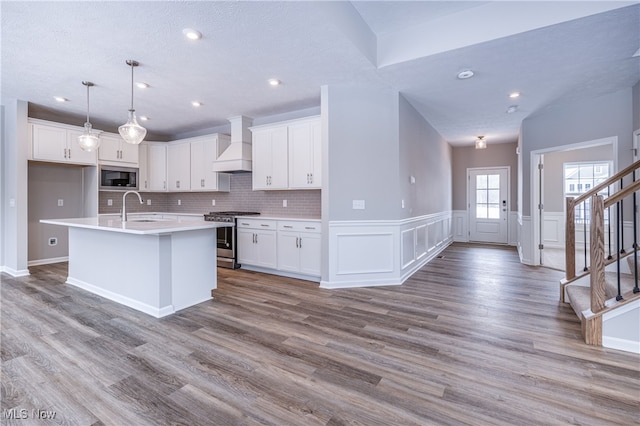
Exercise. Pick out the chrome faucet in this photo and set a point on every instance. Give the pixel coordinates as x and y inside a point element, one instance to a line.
<point>124,204</point>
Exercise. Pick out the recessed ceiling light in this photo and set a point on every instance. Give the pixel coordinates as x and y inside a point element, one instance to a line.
<point>512,109</point>
<point>196,104</point>
<point>274,82</point>
<point>514,95</point>
<point>60,99</point>
<point>192,34</point>
<point>463,75</point>
<point>142,85</point>
<point>144,118</point>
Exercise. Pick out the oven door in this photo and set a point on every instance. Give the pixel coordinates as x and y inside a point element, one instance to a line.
<point>226,242</point>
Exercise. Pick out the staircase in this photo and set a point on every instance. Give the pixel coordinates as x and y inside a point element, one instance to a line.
<point>606,296</point>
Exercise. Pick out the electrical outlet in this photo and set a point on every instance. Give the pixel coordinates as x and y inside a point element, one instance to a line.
<point>60,202</point>
<point>358,204</point>
<point>403,204</point>
<point>109,202</point>
<point>179,202</point>
<point>213,202</point>
<point>53,241</point>
<point>148,201</point>
<point>284,203</point>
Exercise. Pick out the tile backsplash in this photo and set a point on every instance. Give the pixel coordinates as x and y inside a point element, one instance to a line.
<point>300,203</point>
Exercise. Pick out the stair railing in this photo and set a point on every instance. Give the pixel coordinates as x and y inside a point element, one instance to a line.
<point>582,202</point>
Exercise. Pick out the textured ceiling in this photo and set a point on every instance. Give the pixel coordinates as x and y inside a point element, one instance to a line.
<point>49,48</point>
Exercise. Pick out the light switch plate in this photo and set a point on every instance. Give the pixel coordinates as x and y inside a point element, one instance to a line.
<point>284,203</point>
<point>60,202</point>
<point>179,202</point>
<point>109,202</point>
<point>358,204</point>
<point>148,201</point>
<point>213,202</point>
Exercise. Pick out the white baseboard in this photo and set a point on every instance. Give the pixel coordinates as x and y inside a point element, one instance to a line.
<point>48,261</point>
<point>139,306</point>
<point>14,272</point>
<point>279,273</point>
<point>621,344</point>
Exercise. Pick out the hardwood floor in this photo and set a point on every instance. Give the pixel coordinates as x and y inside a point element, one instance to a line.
<point>472,338</point>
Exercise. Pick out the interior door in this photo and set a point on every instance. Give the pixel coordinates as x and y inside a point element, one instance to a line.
<point>488,205</point>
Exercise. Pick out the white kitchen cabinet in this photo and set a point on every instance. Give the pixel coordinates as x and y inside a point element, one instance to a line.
<point>157,163</point>
<point>179,166</point>
<point>299,247</point>
<point>257,242</point>
<point>58,144</point>
<point>270,153</point>
<point>204,151</point>
<point>143,167</point>
<point>305,155</point>
<point>114,150</point>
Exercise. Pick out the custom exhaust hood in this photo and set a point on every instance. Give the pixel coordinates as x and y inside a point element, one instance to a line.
<point>237,157</point>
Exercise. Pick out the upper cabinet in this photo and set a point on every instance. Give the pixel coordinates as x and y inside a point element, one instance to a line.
<point>270,158</point>
<point>179,166</point>
<point>305,155</point>
<point>287,155</point>
<point>58,143</point>
<point>157,166</point>
<point>204,151</point>
<point>113,149</point>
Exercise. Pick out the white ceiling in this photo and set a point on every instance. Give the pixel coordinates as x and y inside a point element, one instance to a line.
<point>552,52</point>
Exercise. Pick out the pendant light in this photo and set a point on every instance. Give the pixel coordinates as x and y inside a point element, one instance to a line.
<point>131,131</point>
<point>88,141</point>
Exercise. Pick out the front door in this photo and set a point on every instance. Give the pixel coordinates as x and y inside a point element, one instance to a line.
<point>488,205</point>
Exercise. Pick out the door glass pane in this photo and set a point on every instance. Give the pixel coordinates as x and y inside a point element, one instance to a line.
<point>494,181</point>
<point>488,196</point>
<point>494,211</point>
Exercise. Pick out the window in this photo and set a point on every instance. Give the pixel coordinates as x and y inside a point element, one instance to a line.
<point>580,178</point>
<point>488,196</point>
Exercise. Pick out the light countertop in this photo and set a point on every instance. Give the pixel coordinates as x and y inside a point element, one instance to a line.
<point>133,226</point>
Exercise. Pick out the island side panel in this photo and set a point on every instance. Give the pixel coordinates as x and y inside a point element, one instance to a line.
<point>193,267</point>
<point>126,268</point>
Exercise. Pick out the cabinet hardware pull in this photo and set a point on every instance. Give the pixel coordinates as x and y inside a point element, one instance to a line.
<point>202,183</point>
<point>244,223</point>
<point>309,227</point>
<point>262,224</point>
<point>297,242</point>
<point>288,226</point>
<point>256,238</point>
<point>311,177</point>
<point>69,152</point>
<point>300,246</point>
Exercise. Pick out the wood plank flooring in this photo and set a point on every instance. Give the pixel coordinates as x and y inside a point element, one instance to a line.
<point>473,338</point>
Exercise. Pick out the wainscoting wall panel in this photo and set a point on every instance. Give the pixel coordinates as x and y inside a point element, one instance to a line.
<point>374,253</point>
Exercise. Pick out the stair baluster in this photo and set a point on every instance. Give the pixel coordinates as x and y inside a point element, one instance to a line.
<point>621,220</point>
<point>635,239</point>
<point>609,225</point>
<point>618,242</point>
<point>584,221</point>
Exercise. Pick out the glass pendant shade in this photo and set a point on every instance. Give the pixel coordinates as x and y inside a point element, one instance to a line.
<point>131,131</point>
<point>481,143</point>
<point>88,141</point>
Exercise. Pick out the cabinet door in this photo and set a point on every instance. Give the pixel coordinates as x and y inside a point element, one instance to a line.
<point>198,160</point>
<point>75,153</point>
<point>246,247</point>
<point>179,167</point>
<point>157,167</point>
<point>310,254</point>
<point>143,167</point>
<point>305,155</point>
<point>279,159</point>
<point>288,252</point>
<point>129,153</point>
<point>49,143</point>
<point>109,148</point>
<point>266,249</point>
<point>261,164</point>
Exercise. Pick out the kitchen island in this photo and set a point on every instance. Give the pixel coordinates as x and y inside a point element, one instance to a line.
<point>156,266</point>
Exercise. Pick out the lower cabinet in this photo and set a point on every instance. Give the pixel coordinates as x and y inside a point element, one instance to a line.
<point>257,243</point>
<point>287,246</point>
<point>299,247</point>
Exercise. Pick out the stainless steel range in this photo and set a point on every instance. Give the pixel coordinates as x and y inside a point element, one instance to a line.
<point>227,253</point>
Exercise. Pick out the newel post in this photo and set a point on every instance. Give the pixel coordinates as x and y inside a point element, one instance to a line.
<point>598,296</point>
<point>570,240</point>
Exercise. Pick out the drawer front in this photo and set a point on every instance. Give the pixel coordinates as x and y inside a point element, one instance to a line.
<point>256,223</point>
<point>299,226</point>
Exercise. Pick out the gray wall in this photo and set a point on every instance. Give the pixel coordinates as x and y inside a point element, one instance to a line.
<point>636,106</point>
<point>426,156</point>
<point>47,184</point>
<point>553,192</point>
<point>496,155</point>
<point>586,120</point>
<point>362,153</point>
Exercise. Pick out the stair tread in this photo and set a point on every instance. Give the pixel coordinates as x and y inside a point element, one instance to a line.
<point>627,283</point>
<point>580,298</point>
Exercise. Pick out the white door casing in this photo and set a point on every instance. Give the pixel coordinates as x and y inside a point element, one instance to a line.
<point>488,204</point>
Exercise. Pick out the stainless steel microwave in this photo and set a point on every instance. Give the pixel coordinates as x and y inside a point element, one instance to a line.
<point>114,178</point>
